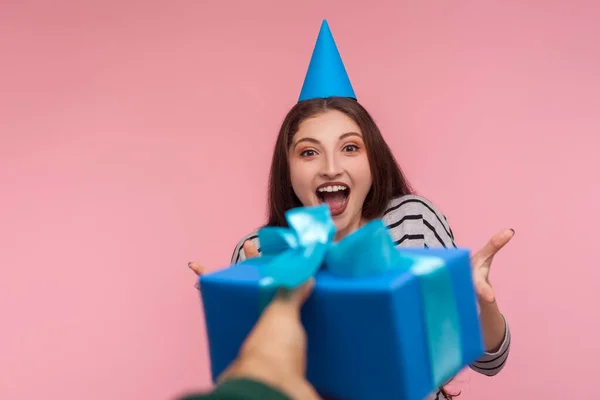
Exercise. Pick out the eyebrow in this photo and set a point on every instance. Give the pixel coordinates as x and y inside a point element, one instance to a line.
<point>313,140</point>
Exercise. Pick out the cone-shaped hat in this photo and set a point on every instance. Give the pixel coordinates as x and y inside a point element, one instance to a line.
<point>326,76</point>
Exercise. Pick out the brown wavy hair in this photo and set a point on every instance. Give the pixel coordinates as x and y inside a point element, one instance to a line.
<point>388,180</point>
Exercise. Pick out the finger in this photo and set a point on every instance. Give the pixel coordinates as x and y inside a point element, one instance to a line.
<point>495,244</point>
<point>198,269</point>
<point>250,249</point>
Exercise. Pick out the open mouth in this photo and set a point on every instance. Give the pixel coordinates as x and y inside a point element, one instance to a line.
<point>335,195</point>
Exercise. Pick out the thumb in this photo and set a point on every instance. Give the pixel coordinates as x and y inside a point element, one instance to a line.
<point>298,296</point>
<point>302,293</point>
<point>250,249</point>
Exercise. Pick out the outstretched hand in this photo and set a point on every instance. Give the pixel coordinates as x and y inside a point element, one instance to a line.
<point>482,263</point>
<point>249,249</point>
<point>275,350</point>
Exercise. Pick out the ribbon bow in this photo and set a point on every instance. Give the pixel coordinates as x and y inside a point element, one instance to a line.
<point>293,255</point>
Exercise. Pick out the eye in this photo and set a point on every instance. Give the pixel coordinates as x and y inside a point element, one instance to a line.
<point>308,153</point>
<point>351,148</point>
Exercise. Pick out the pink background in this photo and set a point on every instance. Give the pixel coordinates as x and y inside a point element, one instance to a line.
<point>117,121</point>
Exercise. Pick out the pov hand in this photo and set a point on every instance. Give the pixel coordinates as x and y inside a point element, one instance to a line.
<point>482,262</point>
<point>275,350</point>
<point>249,249</point>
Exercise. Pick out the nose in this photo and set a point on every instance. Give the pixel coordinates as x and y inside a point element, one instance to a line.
<point>331,168</point>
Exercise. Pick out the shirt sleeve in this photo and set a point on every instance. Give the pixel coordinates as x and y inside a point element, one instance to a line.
<point>492,363</point>
<point>238,252</point>
<point>240,389</point>
<point>437,233</point>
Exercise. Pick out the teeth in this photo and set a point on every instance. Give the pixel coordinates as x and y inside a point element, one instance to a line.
<point>333,188</point>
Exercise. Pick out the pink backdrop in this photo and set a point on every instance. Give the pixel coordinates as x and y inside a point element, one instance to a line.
<point>116,167</point>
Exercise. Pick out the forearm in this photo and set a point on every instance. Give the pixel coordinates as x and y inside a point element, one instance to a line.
<point>493,325</point>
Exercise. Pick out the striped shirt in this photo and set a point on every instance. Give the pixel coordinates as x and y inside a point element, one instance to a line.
<point>414,221</point>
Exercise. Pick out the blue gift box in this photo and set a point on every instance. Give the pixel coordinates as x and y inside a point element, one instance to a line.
<point>381,322</point>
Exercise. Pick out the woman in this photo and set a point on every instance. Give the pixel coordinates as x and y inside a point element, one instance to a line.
<point>329,150</point>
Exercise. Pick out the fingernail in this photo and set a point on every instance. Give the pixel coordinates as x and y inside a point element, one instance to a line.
<point>513,231</point>
<point>190,264</point>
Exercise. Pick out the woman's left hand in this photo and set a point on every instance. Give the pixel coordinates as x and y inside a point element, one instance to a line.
<point>482,262</point>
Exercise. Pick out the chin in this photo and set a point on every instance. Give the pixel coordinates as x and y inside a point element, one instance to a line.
<point>342,223</point>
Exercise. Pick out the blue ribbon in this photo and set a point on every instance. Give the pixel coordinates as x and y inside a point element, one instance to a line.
<point>290,256</point>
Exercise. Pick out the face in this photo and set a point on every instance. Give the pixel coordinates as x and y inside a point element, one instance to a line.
<point>329,164</point>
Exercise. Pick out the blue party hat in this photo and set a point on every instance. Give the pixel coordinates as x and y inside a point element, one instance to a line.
<point>326,76</point>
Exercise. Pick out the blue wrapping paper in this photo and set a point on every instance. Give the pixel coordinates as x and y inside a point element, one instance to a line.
<point>381,322</point>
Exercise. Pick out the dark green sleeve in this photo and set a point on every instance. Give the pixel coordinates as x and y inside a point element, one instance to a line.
<point>240,389</point>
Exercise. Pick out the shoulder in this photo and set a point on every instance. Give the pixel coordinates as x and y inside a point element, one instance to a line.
<point>412,204</point>
<point>420,218</point>
<point>238,252</point>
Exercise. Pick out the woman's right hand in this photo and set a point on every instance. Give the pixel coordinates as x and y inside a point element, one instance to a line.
<point>250,251</point>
